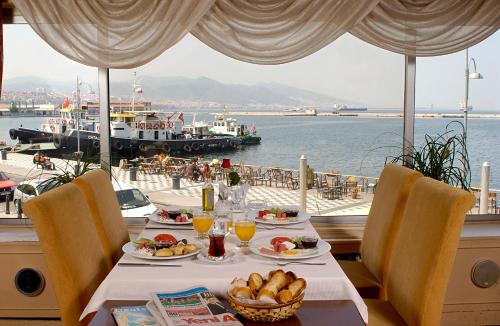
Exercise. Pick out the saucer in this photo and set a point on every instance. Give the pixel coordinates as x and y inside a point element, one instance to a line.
<point>228,258</point>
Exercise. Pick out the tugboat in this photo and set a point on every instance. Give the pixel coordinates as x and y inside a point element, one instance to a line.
<point>132,132</point>
<point>223,127</point>
<point>144,133</point>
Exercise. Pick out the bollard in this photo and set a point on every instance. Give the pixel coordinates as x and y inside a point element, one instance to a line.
<point>7,203</point>
<point>303,183</point>
<point>176,181</point>
<point>485,188</point>
<point>3,155</point>
<point>133,173</point>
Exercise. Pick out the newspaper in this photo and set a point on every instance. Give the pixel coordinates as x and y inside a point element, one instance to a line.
<point>195,306</point>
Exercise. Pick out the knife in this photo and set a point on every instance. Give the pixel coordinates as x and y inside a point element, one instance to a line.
<point>146,265</point>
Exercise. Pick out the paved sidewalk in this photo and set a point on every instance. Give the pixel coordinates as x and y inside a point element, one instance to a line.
<point>159,189</point>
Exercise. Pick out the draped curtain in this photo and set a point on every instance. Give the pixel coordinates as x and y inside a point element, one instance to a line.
<point>113,34</point>
<point>130,33</point>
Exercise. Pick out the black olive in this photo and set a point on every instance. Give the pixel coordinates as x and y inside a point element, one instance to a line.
<point>184,240</point>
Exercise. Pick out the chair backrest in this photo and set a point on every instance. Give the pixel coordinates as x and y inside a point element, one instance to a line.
<point>71,247</point>
<point>382,225</point>
<point>425,249</point>
<point>105,209</point>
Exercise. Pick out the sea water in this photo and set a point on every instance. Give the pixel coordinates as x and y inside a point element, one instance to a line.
<point>350,145</point>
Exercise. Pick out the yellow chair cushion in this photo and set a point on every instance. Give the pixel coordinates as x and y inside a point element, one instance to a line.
<point>105,211</point>
<point>424,250</point>
<point>367,285</point>
<point>71,247</point>
<point>382,313</point>
<point>382,225</point>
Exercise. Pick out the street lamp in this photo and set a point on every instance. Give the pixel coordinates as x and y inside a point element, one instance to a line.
<point>468,75</point>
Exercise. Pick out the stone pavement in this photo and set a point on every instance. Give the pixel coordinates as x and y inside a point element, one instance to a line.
<point>159,189</point>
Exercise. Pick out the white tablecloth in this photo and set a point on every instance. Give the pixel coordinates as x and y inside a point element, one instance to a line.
<point>324,282</point>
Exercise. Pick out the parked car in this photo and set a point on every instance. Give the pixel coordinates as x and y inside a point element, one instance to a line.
<point>6,185</point>
<point>133,203</point>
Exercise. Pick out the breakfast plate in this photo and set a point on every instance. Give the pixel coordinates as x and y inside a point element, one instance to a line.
<point>280,247</point>
<point>165,217</point>
<point>164,246</point>
<point>273,219</point>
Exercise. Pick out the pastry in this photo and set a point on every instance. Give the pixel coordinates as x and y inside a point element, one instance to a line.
<point>179,249</point>
<point>297,286</point>
<point>290,277</point>
<point>165,252</point>
<point>276,282</point>
<point>242,293</point>
<point>189,248</point>
<point>255,282</point>
<point>266,296</point>
<point>239,282</point>
<point>284,296</point>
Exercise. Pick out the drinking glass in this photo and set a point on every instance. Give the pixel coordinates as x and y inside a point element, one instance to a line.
<point>245,230</point>
<point>202,221</point>
<point>256,204</point>
<point>216,250</point>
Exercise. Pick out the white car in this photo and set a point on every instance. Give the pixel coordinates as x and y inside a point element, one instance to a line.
<point>132,201</point>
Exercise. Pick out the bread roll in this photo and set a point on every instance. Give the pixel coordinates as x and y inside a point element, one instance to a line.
<point>164,252</point>
<point>276,282</point>
<point>179,250</point>
<point>242,293</point>
<point>297,286</point>
<point>189,248</point>
<point>266,296</point>
<point>239,282</point>
<point>284,296</point>
<point>255,282</point>
<point>290,277</point>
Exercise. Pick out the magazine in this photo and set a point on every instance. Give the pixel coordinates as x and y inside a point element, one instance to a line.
<point>195,306</point>
<point>134,316</point>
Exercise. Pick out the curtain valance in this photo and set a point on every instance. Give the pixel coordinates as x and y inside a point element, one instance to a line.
<point>130,33</point>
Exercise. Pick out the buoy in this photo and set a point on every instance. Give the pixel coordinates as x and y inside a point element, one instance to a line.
<point>165,148</point>
<point>162,125</point>
<point>118,146</point>
<point>13,133</point>
<point>187,148</point>
<point>195,146</point>
<point>142,147</point>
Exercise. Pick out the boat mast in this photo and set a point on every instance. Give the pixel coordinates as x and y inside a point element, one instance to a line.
<point>134,86</point>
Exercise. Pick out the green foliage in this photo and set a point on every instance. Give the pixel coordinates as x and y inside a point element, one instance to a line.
<point>443,157</point>
<point>13,107</point>
<point>234,178</point>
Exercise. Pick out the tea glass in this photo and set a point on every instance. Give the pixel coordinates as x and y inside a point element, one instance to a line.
<point>216,250</point>
<point>202,222</point>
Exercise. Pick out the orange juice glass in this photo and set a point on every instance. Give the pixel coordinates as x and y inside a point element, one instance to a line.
<point>245,230</point>
<point>202,222</point>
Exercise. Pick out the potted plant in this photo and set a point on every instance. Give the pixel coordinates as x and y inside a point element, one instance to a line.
<point>443,157</point>
<point>354,192</point>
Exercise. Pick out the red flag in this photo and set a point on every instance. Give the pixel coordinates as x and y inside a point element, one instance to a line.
<point>65,103</point>
<point>181,117</point>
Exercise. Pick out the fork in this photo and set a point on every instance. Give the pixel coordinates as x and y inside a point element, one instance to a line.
<point>298,263</point>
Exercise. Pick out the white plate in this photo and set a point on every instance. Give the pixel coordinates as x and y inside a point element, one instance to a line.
<point>301,217</point>
<point>129,248</point>
<point>229,258</point>
<point>322,248</point>
<point>155,218</point>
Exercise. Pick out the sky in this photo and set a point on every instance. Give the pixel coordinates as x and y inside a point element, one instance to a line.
<point>348,68</point>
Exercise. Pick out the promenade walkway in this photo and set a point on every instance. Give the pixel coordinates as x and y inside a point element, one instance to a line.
<point>159,189</point>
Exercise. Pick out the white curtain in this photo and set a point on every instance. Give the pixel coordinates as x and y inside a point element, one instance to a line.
<point>429,27</point>
<point>114,34</point>
<point>277,31</point>
<point>130,33</point>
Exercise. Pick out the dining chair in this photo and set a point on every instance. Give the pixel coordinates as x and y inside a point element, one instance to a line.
<point>105,210</point>
<point>423,255</point>
<point>382,225</point>
<point>71,247</point>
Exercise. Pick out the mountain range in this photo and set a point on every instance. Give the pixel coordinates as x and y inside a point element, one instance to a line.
<point>201,89</point>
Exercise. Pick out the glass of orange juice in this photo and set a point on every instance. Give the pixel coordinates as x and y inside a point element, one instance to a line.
<point>202,222</point>
<point>245,230</point>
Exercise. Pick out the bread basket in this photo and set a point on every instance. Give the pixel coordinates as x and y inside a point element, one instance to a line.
<point>266,312</point>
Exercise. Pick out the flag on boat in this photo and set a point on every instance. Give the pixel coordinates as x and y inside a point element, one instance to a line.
<point>65,103</point>
<point>138,90</point>
<point>181,117</point>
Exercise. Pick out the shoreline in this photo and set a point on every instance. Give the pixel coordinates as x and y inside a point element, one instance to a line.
<point>365,115</point>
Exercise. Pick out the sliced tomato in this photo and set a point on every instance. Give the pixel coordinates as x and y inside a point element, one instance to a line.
<point>165,237</point>
<point>280,240</point>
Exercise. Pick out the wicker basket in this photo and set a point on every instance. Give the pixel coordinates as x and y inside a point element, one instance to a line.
<point>266,312</point>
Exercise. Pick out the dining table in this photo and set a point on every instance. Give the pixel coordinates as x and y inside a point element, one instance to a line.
<point>129,281</point>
